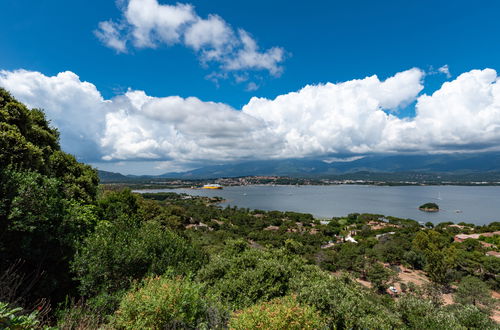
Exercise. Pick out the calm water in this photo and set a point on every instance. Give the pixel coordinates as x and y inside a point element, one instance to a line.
<point>479,205</point>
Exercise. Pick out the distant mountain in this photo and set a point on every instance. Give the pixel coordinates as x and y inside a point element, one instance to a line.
<point>106,176</point>
<point>449,163</point>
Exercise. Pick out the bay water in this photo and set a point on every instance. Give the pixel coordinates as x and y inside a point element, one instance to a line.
<point>472,204</point>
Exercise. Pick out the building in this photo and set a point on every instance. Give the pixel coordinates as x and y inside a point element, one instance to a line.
<point>462,237</point>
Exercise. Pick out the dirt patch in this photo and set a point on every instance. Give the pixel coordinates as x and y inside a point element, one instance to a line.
<point>495,316</point>
<point>364,283</point>
<point>408,275</point>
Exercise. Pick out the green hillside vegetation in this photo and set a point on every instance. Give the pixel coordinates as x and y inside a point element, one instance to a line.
<point>76,256</point>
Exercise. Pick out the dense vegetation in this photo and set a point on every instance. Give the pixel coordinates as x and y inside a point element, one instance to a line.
<point>75,256</point>
<point>429,207</point>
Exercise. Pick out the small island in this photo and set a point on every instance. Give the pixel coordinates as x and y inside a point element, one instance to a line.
<point>429,207</point>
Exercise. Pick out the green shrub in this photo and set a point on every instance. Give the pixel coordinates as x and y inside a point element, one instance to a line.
<point>473,291</point>
<point>343,303</point>
<point>244,278</point>
<point>166,303</point>
<point>419,313</point>
<point>10,318</point>
<point>280,313</point>
<point>471,317</point>
<point>125,250</point>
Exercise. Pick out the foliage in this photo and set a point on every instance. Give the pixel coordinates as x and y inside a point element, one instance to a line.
<point>473,291</point>
<point>166,303</point>
<point>439,255</point>
<point>242,276</point>
<point>420,313</point>
<point>28,143</point>
<point>10,318</point>
<point>429,206</point>
<point>379,276</point>
<point>471,317</point>
<point>40,227</point>
<point>280,313</point>
<point>41,187</point>
<point>125,250</point>
<point>423,314</point>
<point>343,304</point>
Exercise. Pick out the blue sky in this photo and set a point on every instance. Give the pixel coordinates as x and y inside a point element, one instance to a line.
<point>318,42</point>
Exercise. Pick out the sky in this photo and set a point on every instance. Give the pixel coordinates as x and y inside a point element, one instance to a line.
<point>154,86</point>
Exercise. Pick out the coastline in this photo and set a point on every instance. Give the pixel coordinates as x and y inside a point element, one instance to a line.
<point>339,200</point>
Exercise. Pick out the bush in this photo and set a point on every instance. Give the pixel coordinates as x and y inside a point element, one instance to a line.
<point>166,303</point>
<point>343,303</point>
<point>280,313</point>
<point>122,251</point>
<point>424,314</point>
<point>244,278</point>
<point>10,318</point>
<point>471,317</point>
<point>472,290</point>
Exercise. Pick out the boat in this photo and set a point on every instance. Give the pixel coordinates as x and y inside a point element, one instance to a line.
<point>458,211</point>
<point>212,186</point>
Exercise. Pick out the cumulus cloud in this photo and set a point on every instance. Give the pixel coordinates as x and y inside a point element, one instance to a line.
<point>148,24</point>
<point>333,118</point>
<point>353,117</point>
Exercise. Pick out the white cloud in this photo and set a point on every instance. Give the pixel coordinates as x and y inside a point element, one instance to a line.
<point>251,86</point>
<point>445,70</point>
<point>152,23</point>
<point>213,36</point>
<point>331,118</point>
<point>249,57</point>
<point>353,117</point>
<point>332,160</point>
<point>109,34</point>
<point>463,111</point>
<point>148,24</point>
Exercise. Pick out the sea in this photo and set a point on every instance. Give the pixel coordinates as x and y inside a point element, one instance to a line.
<point>471,204</point>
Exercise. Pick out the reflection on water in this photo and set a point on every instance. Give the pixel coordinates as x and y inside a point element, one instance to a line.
<point>479,205</point>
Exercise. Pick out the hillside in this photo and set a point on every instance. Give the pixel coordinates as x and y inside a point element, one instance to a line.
<point>450,164</point>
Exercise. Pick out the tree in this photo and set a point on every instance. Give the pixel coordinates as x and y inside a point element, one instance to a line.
<point>380,276</point>
<point>439,256</point>
<point>41,191</point>
<point>473,291</point>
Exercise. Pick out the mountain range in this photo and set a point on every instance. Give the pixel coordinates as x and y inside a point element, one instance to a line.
<point>443,163</point>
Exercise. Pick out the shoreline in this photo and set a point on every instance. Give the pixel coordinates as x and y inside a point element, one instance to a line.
<point>327,201</point>
<point>148,186</point>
